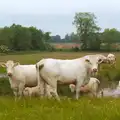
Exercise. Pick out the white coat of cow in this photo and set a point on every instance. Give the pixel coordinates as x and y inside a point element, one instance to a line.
<point>20,76</point>
<point>32,91</point>
<point>52,70</point>
<point>91,87</point>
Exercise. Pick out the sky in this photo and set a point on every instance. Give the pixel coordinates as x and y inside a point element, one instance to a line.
<point>57,16</point>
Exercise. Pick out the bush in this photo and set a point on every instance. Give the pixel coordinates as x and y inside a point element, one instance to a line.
<point>5,87</point>
<point>76,49</point>
<point>4,49</point>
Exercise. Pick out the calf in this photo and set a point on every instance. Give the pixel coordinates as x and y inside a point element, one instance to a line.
<point>32,91</point>
<point>91,87</point>
<point>35,91</point>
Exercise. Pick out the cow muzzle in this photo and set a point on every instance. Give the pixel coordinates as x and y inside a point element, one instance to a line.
<point>95,70</point>
<point>9,74</point>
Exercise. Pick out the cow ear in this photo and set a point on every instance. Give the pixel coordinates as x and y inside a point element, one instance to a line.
<point>100,60</point>
<point>87,59</point>
<point>17,63</point>
<point>2,64</point>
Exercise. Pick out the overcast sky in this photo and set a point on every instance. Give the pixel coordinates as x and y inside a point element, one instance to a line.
<point>57,15</point>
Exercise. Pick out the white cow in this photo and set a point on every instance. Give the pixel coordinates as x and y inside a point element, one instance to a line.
<point>91,87</point>
<point>52,70</point>
<point>111,58</point>
<point>20,76</point>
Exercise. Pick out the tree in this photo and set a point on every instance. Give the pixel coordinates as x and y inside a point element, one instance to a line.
<point>74,37</point>
<point>56,38</point>
<point>17,37</point>
<point>110,36</point>
<point>94,41</point>
<point>22,38</point>
<point>67,38</point>
<point>36,38</point>
<point>85,23</point>
<point>47,37</point>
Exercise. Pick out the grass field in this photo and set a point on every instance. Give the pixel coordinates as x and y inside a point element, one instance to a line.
<point>67,109</point>
<point>36,109</point>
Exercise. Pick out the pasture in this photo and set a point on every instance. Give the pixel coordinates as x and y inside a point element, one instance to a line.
<point>68,109</point>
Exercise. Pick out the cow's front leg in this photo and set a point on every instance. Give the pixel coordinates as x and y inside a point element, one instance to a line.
<point>79,84</point>
<point>21,89</point>
<point>15,94</point>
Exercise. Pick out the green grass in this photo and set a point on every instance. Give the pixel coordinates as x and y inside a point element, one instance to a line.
<point>67,109</point>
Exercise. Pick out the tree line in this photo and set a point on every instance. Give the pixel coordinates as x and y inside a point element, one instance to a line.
<point>88,35</point>
<point>20,38</point>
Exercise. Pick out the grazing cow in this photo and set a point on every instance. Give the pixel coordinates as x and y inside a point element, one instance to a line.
<point>91,87</point>
<point>20,76</point>
<point>111,59</point>
<point>52,70</point>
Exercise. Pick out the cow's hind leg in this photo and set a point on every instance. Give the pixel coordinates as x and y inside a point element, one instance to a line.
<point>53,83</point>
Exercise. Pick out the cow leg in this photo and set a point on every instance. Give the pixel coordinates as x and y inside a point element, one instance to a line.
<point>41,83</point>
<point>54,93</point>
<point>21,89</point>
<point>42,88</point>
<point>30,94</point>
<point>47,92</point>
<point>94,94</point>
<point>16,94</point>
<point>79,83</point>
<point>49,95</point>
<point>53,83</point>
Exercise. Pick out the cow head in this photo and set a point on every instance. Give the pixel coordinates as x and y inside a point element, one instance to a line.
<point>102,59</point>
<point>9,66</point>
<point>72,87</point>
<point>111,58</point>
<point>93,62</point>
